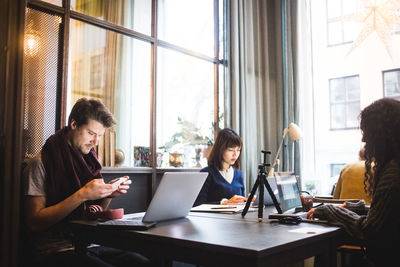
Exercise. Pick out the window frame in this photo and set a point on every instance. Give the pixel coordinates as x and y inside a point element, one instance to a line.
<point>67,14</point>
<point>383,83</point>
<point>342,26</point>
<point>336,166</point>
<point>345,102</point>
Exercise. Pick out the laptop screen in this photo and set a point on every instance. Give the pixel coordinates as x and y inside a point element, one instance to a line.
<point>267,197</point>
<point>288,190</point>
<point>174,196</point>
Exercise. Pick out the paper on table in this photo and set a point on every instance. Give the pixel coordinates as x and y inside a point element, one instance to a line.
<point>308,230</point>
<point>233,208</point>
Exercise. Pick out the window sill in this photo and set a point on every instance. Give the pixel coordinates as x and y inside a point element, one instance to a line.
<point>146,170</point>
<point>126,170</point>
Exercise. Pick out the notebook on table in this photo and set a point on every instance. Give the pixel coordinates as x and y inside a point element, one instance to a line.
<point>173,199</point>
<point>225,208</point>
<point>289,198</point>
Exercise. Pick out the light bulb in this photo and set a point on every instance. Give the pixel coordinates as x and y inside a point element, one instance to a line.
<point>32,43</point>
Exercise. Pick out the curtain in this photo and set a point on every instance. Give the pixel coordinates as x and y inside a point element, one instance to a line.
<point>297,83</point>
<point>290,93</point>
<point>262,93</point>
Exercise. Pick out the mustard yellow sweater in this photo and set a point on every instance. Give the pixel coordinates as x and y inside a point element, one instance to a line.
<point>351,182</point>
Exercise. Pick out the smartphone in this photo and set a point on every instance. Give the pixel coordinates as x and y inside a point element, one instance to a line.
<point>119,180</point>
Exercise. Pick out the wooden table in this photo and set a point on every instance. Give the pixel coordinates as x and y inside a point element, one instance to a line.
<point>221,240</point>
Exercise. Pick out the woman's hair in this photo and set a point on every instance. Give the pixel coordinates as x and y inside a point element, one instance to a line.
<point>380,126</point>
<point>226,138</point>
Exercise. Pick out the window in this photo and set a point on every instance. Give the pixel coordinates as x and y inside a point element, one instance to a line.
<point>130,14</point>
<point>395,28</point>
<point>160,74</point>
<point>336,168</point>
<point>114,68</point>
<point>345,102</point>
<point>332,104</point>
<point>341,30</point>
<point>391,83</point>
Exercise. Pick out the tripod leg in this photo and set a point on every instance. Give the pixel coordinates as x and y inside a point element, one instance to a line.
<point>276,204</point>
<point>253,191</point>
<point>260,198</point>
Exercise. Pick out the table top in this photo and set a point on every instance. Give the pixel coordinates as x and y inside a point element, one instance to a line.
<point>220,237</point>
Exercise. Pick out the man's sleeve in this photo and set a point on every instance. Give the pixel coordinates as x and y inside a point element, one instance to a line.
<point>34,178</point>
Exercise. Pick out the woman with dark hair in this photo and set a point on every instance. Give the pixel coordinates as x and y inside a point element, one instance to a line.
<point>224,180</point>
<point>379,228</point>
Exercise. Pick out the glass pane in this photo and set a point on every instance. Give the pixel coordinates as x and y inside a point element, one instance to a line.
<point>336,169</point>
<point>185,108</point>
<point>351,6</point>
<point>335,33</point>
<point>338,116</point>
<point>221,30</point>
<point>334,8</point>
<point>54,2</point>
<point>115,69</point>
<point>41,75</point>
<point>391,80</point>
<point>353,110</point>
<point>350,31</point>
<point>352,85</point>
<point>221,96</point>
<point>187,23</point>
<point>395,28</point>
<point>131,14</point>
<point>337,90</point>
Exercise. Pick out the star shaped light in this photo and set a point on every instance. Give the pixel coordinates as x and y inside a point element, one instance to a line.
<point>376,16</point>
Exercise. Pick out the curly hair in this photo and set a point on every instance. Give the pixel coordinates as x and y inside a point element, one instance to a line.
<point>227,138</point>
<point>380,126</point>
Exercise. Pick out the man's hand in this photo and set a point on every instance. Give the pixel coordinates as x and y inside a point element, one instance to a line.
<point>96,189</point>
<point>121,189</point>
<point>40,217</point>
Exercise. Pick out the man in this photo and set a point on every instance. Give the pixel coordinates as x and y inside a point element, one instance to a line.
<point>62,181</point>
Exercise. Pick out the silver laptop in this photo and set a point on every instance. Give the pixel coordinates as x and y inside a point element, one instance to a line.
<point>267,197</point>
<point>175,196</point>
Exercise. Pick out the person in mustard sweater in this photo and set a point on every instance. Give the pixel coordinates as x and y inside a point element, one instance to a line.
<point>350,184</point>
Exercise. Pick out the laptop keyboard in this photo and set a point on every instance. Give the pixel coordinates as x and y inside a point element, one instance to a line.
<point>301,214</point>
<point>138,219</point>
<point>127,224</point>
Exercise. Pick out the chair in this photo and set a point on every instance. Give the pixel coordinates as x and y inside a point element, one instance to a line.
<point>352,254</point>
<point>350,184</point>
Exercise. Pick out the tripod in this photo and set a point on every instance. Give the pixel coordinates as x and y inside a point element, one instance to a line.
<point>260,183</point>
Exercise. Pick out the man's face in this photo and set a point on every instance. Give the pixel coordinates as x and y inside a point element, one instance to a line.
<point>87,136</point>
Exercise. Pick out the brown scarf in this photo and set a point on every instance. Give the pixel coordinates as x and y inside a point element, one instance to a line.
<point>67,170</point>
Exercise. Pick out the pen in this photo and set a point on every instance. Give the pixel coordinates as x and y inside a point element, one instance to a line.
<point>221,208</point>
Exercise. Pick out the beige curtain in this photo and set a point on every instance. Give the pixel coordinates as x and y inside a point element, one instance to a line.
<point>297,83</point>
<point>255,88</point>
<point>263,87</point>
<point>113,55</point>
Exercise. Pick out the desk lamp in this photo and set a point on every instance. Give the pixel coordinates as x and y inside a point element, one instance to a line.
<point>294,134</point>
